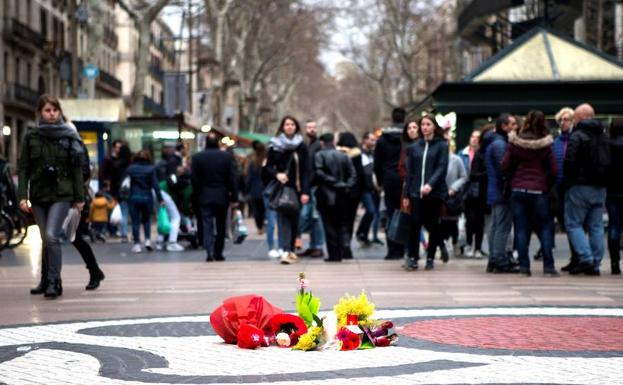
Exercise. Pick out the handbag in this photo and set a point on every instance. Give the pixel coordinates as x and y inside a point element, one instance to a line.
<point>399,227</point>
<point>125,188</point>
<point>285,200</point>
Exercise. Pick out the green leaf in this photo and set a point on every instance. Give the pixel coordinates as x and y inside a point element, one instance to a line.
<point>366,344</point>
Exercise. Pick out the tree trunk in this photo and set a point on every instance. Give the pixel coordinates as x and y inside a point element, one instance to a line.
<point>141,67</point>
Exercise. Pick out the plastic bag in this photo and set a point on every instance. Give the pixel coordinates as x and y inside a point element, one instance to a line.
<point>71,223</point>
<point>239,228</point>
<point>164,223</point>
<point>115,215</point>
<point>125,188</point>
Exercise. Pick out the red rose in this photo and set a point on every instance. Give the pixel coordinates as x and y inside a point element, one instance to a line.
<point>250,337</point>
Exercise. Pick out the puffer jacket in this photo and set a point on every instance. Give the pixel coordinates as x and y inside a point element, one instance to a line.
<point>530,161</point>
<point>560,149</point>
<point>495,144</point>
<point>100,207</point>
<point>427,163</point>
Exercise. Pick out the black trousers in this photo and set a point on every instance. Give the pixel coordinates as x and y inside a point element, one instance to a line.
<point>425,212</point>
<point>214,217</point>
<point>352,204</point>
<point>83,247</point>
<point>474,222</point>
<point>335,221</point>
<point>259,212</point>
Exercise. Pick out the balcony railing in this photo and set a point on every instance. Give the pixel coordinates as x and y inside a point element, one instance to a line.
<point>111,38</point>
<point>151,106</point>
<point>22,94</point>
<point>22,33</point>
<point>110,80</point>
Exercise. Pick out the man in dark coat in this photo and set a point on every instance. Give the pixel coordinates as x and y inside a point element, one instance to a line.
<point>386,159</point>
<point>334,174</point>
<point>214,179</point>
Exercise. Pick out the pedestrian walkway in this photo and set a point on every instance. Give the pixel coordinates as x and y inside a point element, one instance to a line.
<point>148,322</point>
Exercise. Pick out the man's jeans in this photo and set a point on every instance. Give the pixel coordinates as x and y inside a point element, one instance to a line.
<point>501,222</point>
<point>531,212</point>
<point>316,233</point>
<point>371,217</point>
<point>271,226</point>
<point>584,207</point>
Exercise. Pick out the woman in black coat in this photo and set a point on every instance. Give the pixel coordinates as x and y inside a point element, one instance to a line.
<point>347,143</point>
<point>287,162</point>
<point>427,165</point>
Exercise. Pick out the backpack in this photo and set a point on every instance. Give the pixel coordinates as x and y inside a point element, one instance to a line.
<point>599,157</point>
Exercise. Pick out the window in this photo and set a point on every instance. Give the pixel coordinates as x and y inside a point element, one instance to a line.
<point>28,75</point>
<point>43,20</point>
<point>17,72</point>
<point>5,65</point>
<point>28,12</point>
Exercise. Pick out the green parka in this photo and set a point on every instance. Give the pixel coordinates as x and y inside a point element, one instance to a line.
<point>48,171</point>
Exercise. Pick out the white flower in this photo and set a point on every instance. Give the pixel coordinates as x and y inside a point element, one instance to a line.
<point>283,339</point>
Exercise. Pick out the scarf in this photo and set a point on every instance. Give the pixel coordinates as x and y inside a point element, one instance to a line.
<point>282,143</point>
<point>66,135</point>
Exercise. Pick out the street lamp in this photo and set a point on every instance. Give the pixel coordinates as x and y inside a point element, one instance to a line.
<point>6,130</point>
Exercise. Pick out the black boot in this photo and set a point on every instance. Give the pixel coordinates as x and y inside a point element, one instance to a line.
<point>614,247</point>
<point>54,289</point>
<point>95,277</point>
<point>40,288</point>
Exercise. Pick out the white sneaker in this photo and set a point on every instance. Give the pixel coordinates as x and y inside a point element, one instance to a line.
<point>478,255</point>
<point>148,245</point>
<point>274,253</point>
<point>469,252</point>
<point>159,247</point>
<point>456,251</point>
<point>137,248</point>
<point>175,247</point>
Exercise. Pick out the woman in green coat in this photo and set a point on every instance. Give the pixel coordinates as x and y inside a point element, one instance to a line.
<point>50,177</point>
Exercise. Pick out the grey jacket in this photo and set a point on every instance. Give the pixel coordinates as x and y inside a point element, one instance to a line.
<point>457,176</point>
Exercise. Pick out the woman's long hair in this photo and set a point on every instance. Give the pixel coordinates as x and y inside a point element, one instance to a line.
<point>405,132</point>
<point>535,125</point>
<point>438,133</point>
<point>142,155</point>
<point>283,123</point>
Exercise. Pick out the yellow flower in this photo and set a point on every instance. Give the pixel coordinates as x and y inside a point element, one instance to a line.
<point>309,340</point>
<point>359,306</point>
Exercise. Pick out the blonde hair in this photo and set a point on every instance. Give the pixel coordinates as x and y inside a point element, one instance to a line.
<point>563,111</point>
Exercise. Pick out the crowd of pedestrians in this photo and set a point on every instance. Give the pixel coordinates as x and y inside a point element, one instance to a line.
<point>513,177</point>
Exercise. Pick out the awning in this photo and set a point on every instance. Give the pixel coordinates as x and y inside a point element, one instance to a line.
<point>94,110</point>
<point>252,136</point>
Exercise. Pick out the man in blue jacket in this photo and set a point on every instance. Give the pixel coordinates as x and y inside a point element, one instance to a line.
<point>501,215</point>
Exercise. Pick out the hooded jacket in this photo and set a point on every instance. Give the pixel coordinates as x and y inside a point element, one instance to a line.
<point>579,167</point>
<point>495,144</point>
<point>427,163</point>
<point>530,161</point>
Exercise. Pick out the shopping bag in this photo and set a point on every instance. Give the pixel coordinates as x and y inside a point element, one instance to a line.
<point>164,224</point>
<point>115,215</point>
<point>125,188</point>
<point>239,228</point>
<point>71,223</point>
<point>399,227</point>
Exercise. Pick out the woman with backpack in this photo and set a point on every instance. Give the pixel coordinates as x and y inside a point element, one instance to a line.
<point>287,166</point>
<point>50,178</point>
<point>530,163</point>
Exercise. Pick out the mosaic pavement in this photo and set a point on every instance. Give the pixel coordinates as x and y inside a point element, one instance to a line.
<point>492,345</point>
